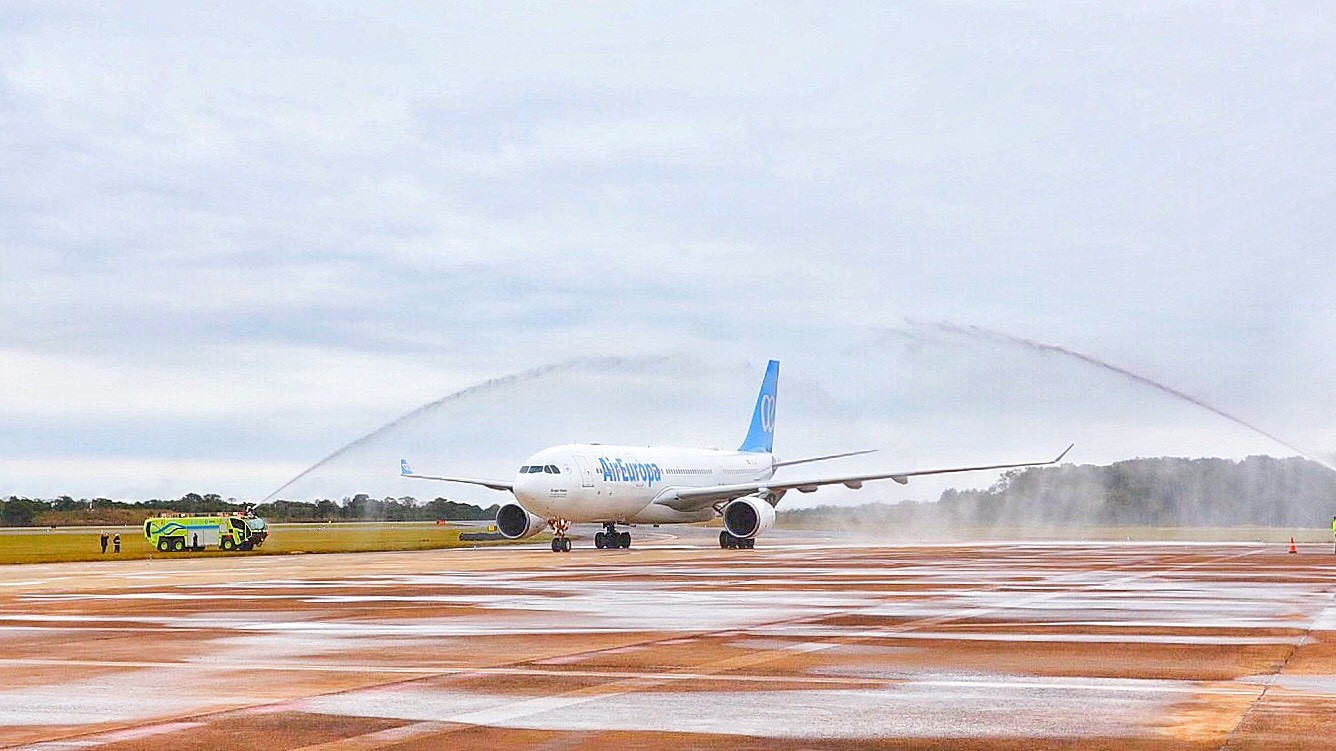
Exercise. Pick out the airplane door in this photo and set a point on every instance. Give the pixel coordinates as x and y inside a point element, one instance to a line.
<point>586,474</point>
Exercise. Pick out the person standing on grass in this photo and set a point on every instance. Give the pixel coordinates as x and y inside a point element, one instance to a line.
<point>116,543</point>
<point>103,538</point>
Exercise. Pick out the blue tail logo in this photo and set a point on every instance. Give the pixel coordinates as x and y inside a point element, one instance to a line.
<point>761,436</point>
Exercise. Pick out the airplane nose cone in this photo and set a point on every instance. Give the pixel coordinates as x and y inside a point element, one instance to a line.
<point>532,492</point>
<point>529,487</point>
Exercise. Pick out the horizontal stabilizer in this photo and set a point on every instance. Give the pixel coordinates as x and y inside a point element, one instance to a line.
<point>809,460</point>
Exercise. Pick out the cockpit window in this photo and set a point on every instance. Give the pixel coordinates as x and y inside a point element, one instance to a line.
<point>551,469</point>
<point>529,469</point>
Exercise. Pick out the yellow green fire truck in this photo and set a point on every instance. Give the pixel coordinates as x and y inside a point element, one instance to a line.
<point>225,531</point>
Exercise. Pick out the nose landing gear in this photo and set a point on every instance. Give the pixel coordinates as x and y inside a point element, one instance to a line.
<point>561,543</point>
<point>611,538</point>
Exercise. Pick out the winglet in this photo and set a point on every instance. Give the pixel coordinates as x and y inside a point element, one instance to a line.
<point>1064,453</point>
<point>403,467</point>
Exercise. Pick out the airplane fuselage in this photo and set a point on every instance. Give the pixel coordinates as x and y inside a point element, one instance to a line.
<point>601,483</point>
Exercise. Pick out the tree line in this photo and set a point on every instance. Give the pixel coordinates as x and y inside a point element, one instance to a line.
<point>26,512</point>
<point>1164,492</point>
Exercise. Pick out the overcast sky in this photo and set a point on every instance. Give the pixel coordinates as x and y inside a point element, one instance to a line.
<point>236,237</point>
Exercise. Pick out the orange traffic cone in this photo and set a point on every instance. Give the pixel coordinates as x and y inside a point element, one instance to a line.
<point>1292,548</point>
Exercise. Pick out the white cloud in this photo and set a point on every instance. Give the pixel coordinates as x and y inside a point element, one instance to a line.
<point>133,477</point>
<point>305,219</point>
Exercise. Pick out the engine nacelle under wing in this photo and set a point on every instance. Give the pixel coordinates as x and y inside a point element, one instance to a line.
<point>748,517</point>
<point>515,523</point>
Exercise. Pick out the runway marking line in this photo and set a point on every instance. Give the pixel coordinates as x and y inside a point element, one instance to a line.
<point>1275,675</point>
<point>1128,685</point>
<point>111,736</point>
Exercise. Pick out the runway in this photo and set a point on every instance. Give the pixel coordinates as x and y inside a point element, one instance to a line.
<point>806,641</point>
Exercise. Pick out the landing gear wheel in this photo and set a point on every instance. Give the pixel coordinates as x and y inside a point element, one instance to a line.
<point>732,542</point>
<point>556,544</point>
<point>611,538</point>
<point>565,544</point>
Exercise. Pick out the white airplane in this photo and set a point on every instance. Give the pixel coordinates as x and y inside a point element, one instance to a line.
<point>611,485</point>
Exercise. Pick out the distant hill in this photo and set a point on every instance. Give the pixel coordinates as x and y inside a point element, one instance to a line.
<point>1167,492</point>
<point>25,512</point>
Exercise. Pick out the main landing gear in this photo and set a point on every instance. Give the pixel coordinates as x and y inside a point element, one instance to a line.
<point>561,544</point>
<point>611,538</point>
<point>731,542</point>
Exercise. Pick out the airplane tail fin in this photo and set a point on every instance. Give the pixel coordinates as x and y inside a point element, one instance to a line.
<point>761,436</point>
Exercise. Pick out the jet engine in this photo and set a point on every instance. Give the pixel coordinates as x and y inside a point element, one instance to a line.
<point>747,517</point>
<point>513,522</point>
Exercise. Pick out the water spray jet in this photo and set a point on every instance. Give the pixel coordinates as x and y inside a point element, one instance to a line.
<point>992,335</point>
<point>486,386</point>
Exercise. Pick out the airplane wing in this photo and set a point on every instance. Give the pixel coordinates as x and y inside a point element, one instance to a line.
<point>693,499</point>
<point>405,471</point>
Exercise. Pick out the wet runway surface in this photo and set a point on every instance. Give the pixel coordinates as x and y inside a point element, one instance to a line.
<point>801,643</point>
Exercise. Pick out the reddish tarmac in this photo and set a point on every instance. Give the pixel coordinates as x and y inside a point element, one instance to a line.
<point>800,643</point>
